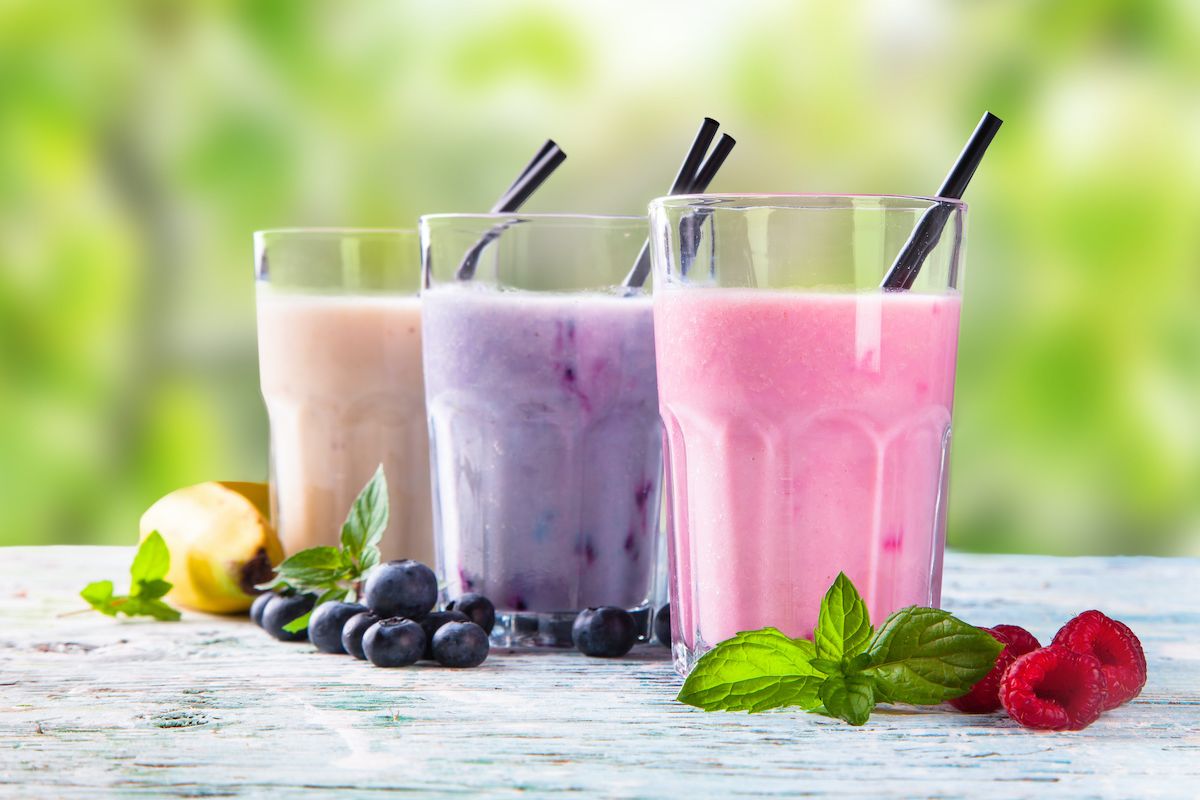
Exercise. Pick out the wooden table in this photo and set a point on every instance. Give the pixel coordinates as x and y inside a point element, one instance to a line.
<point>212,707</point>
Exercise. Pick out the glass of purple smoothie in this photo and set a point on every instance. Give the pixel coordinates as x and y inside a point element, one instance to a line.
<point>546,445</point>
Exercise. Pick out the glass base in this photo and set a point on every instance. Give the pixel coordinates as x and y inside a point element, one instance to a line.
<point>685,657</point>
<point>552,629</point>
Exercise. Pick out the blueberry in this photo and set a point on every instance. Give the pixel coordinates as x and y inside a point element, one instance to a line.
<point>281,610</point>
<point>394,642</point>
<point>258,606</point>
<point>401,589</point>
<point>460,644</point>
<point>352,633</point>
<point>606,632</point>
<point>326,623</point>
<point>478,608</point>
<point>662,626</point>
<point>434,620</point>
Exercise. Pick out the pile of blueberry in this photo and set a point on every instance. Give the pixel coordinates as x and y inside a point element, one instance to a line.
<point>396,627</point>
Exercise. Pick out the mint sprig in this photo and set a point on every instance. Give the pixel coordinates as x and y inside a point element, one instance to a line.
<point>334,573</point>
<point>146,585</point>
<point>918,656</point>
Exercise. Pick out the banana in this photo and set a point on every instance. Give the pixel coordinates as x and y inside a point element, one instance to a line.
<point>221,542</point>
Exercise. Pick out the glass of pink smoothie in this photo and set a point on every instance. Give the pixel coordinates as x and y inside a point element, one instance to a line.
<point>339,350</point>
<point>806,411</point>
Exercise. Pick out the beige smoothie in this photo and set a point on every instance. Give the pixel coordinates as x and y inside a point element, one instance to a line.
<point>341,377</point>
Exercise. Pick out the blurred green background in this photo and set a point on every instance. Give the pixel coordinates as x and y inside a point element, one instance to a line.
<point>142,142</point>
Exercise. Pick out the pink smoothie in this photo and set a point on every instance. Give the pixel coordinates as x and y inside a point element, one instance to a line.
<point>808,434</point>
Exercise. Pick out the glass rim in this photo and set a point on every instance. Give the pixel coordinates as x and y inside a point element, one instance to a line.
<point>335,231</point>
<point>917,202</point>
<point>546,217</point>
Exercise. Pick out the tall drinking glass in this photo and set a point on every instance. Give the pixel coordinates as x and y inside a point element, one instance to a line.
<point>339,348</point>
<point>543,417</point>
<point>807,411</point>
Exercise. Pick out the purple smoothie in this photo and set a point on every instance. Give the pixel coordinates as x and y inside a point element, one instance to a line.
<point>546,446</point>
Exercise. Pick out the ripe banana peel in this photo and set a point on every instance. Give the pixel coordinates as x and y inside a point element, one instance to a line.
<point>221,542</point>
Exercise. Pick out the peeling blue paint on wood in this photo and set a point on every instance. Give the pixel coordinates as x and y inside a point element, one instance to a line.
<point>212,707</point>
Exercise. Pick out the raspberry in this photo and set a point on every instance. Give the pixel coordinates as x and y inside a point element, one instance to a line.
<point>1053,689</point>
<point>984,696</point>
<point>1115,647</point>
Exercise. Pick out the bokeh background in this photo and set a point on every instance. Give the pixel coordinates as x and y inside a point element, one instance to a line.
<point>142,142</point>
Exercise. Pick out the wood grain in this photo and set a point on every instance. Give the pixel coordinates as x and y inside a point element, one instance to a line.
<point>211,707</point>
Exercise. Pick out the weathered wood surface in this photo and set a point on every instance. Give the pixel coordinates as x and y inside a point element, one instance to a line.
<point>211,707</point>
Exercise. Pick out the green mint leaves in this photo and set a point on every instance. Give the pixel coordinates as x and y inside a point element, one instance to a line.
<point>755,671</point>
<point>923,656</point>
<point>146,585</point>
<point>919,656</point>
<point>333,573</point>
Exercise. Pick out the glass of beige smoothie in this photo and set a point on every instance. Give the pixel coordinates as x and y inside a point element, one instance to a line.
<point>339,350</point>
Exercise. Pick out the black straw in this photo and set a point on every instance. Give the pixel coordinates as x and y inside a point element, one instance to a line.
<point>691,227</point>
<point>548,147</point>
<point>695,155</point>
<point>527,182</point>
<point>708,170</point>
<point>928,230</point>
<point>530,179</point>
<point>695,173</point>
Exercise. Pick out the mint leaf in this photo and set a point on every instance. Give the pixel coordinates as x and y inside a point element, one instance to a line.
<point>923,656</point>
<point>337,593</point>
<point>322,557</point>
<point>369,558</point>
<point>857,663</point>
<point>313,568</point>
<point>276,584</point>
<point>849,698</point>
<point>298,624</point>
<point>151,607</point>
<point>827,665</point>
<point>754,671</point>
<point>843,626</point>
<point>99,595</point>
<point>152,559</point>
<point>367,520</point>
<point>150,590</point>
